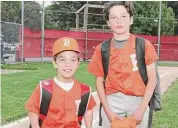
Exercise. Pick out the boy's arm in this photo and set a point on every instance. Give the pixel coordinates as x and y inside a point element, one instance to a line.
<point>150,87</point>
<point>101,93</point>
<point>88,117</point>
<point>32,105</point>
<point>150,58</point>
<point>33,119</point>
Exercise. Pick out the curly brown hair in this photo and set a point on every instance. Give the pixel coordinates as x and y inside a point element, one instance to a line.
<point>128,5</point>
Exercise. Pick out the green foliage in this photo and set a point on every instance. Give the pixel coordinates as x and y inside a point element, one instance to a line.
<point>149,25</point>
<point>54,19</point>
<point>32,15</point>
<point>10,11</point>
<point>174,6</point>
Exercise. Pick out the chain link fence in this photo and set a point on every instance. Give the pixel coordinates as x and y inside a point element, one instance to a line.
<point>10,41</point>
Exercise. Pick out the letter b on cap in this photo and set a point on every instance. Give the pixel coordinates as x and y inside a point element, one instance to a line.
<point>66,42</point>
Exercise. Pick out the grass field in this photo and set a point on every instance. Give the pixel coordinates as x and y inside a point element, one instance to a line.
<point>17,87</point>
<point>168,116</point>
<point>169,63</point>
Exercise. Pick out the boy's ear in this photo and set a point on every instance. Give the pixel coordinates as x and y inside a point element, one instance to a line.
<point>131,20</point>
<point>108,23</point>
<point>79,63</point>
<point>54,64</point>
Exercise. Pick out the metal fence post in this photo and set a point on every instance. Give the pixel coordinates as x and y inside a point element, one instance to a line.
<point>85,27</point>
<point>22,22</point>
<point>159,28</point>
<point>42,33</point>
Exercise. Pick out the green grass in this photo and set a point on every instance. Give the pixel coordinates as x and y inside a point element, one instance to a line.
<point>17,87</point>
<point>168,116</point>
<point>168,63</point>
<point>27,66</point>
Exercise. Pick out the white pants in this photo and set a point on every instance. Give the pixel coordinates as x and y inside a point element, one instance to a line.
<point>124,105</point>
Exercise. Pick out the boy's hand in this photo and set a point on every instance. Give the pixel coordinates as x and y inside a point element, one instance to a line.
<point>138,115</point>
<point>88,117</point>
<point>111,115</point>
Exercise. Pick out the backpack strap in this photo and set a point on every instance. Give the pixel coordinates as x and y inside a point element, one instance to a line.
<point>105,54</point>
<point>85,98</point>
<point>45,97</point>
<point>155,102</point>
<point>140,55</point>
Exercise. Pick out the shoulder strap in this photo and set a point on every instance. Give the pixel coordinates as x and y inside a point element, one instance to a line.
<point>85,97</point>
<point>105,54</point>
<point>45,97</point>
<point>140,54</point>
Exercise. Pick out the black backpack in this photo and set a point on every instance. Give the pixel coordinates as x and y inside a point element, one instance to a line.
<point>155,102</point>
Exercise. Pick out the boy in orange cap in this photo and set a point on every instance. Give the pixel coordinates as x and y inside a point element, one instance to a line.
<point>125,93</point>
<point>63,101</point>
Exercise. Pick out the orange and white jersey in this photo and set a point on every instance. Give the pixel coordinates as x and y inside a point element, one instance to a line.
<point>123,75</point>
<point>63,106</point>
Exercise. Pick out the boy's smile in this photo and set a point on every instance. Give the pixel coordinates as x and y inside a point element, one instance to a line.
<point>66,63</point>
<point>67,70</point>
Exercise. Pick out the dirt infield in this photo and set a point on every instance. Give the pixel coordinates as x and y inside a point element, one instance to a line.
<point>6,71</point>
<point>167,75</point>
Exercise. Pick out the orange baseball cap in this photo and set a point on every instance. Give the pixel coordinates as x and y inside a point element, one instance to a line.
<point>128,122</point>
<point>65,44</point>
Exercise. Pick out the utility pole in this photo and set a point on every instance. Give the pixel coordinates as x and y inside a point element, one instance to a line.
<point>22,22</point>
<point>42,32</point>
<point>159,28</point>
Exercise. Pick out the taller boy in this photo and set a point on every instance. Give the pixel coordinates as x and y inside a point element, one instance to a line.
<point>125,93</point>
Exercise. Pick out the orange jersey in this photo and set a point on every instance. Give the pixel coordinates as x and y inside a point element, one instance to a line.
<point>63,107</point>
<point>123,75</point>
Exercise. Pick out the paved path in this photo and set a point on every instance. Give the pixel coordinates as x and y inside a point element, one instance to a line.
<point>167,75</point>
<point>5,71</point>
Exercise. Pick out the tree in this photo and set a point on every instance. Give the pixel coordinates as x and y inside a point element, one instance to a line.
<point>32,15</point>
<point>10,11</point>
<point>174,6</point>
<point>55,19</point>
<point>146,18</point>
<point>67,18</point>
